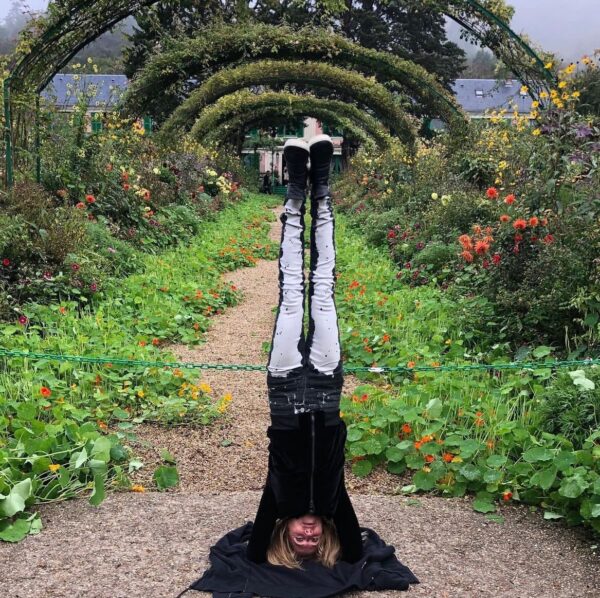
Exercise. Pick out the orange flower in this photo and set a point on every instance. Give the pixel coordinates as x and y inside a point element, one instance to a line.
<point>427,438</point>
<point>509,200</point>
<point>138,488</point>
<point>406,428</point>
<point>142,343</point>
<point>476,229</point>
<point>385,338</point>
<point>507,495</point>
<point>411,364</point>
<point>45,391</point>
<point>62,309</point>
<point>155,342</point>
<point>466,242</point>
<point>364,398</point>
<point>435,364</point>
<point>447,457</point>
<point>479,422</point>
<point>520,224</point>
<point>90,199</point>
<point>490,444</point>
<point>534,221</point>
<point>492,193</point>
<point>467,255</point>
<point>102,425</point>
<point>481,247</point>
<point>418,444</point>
<point>429,458</point>
<point>505,218</point>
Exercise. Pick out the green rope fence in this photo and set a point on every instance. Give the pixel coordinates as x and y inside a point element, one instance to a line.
<point>513,365</point>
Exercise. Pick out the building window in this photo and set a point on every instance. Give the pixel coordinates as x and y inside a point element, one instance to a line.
<point>479,93</point>
<point>96,123</point>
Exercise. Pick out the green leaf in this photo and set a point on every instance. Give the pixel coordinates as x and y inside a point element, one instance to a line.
<point>564,460</point>
<point>544,478</point>
<point>354,434</point>
<point>394,454</point>
<point>98,493</point>
<point>362,468</point>
<point>537,453</point>
<point>166,477</point>
<point>541,351</point>
<point>470,472</point>
<point>101,449</point>
<point>491,476</point>
<point>396,468</point>
<point>423,480</point>
<point>552,515</point>
<point>81,459</point>
<point>15,501</point>
<point>495,461</point>
<point>14,531</point>
<point>495,518</point>
<point>484,505</point>
<point>572,487</point>
<point>581,380</point>
<point>434,408</point>
<point>134,465</point>
<point>165,455</point>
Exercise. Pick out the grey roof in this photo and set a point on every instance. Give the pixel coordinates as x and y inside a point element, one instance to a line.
<point>478,95</point>
<point>102,91</point>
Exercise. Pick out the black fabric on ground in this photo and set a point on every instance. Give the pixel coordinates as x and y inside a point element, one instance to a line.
<point>232,575</point>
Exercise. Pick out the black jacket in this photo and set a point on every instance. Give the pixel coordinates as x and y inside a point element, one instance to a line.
<point>306,475</point>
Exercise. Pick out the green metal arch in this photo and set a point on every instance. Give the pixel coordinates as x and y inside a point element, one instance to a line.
<point>370,94</point>
<point>245,103</point>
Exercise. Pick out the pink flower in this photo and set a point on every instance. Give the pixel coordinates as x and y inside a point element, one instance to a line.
<point>6,262</point>
<point>75,267</point>
<point>23,320</point>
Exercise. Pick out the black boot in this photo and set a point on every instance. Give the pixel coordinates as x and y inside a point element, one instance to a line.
<point>321,152</point>
<point>296,152</point>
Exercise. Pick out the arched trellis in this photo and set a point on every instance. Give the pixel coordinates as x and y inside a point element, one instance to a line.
<point>72,24</point>
<point>228,45</point>
<point>245,104</point>
<point>235,129</point>
<point>75,23</point>
<point>349,84</point>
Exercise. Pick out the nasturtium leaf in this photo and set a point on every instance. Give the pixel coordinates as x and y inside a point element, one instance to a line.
<point>483,505</point>
<point>165,455</point>
<point>423,480</point>
<point>573,487</point>
<point>98,494</point>
<point>101,449</point>
<point>362,468</point>
<point>496,461</point>
<point>14,531</point>
<point>15,501</point>
<point>394,454</point>
<point>166,477</point>
<point>354,434</point>
<point>81,458</point>
<point>470,472</point>
<point>396,468</point>
<point>552,515</point>
<point>544,478</point>
<point>537,453</point>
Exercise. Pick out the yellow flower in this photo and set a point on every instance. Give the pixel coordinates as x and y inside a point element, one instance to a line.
<point>536,132</point>
<point>227,398</point>
<point>457,459</point>
<point>524,89</point>
<point>138,488</point>
<point>576,94</point>
<point>53,467</point>
<point>140,393</point>
<point>448,341</point>
<point>205,387</point>
<point>562,84</point>
<point>570,69</point>
<point>549,65</point>
<point>543,94</point>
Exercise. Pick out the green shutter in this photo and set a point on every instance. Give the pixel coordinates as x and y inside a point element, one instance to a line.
<point>148,124</point>
<point>96,123</point>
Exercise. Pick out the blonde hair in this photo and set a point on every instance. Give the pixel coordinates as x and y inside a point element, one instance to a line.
<point>281,552</point>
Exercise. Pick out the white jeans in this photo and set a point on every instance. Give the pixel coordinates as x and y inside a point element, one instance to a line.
<point>290,348</point>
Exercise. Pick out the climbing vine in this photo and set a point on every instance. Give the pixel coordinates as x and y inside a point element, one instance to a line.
<point>166,77</point>
<point>244,104</point>
<point>348,84</point>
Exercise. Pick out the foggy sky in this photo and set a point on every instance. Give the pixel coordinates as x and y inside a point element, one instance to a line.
<point>568,27</point>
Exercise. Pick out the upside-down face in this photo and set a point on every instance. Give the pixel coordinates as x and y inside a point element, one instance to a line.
<point>305,534</point>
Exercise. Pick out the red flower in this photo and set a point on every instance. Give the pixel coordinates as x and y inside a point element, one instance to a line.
<point>509,200</point>
<point>75,267</point>
<point>492,193</point>
<point>23,320</point>
<point>485,264</point>
<point>429,458</point>
<point>507,495</point>
<point>518,238</point>
<point>125,176</point>
<point>447,457</point>
<point>520,224</point>
<point>45,391</point>
<point>496,258</point>
<point>481,247</point>
<point>467,255</point>
<point>126,186</point>
<point>90,199</point>
<point>80,205</point>
<point>505,218</point>
<point>534,221</point>
<point>6,262</point>
<point>548,239</point>
<point>391,234</point>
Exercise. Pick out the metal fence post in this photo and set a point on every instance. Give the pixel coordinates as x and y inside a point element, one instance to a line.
<point>8,135</point>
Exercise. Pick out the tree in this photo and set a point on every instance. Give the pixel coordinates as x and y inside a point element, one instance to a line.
<point>402,27</point>
<point>481,66</point>
<point>15,21</point>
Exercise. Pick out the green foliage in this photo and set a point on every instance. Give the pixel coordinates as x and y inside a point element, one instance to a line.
<point>571,406</point>
<point>264,72</point>
<point>53,415</point>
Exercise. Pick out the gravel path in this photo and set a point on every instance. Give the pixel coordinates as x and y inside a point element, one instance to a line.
<point>155,544</point>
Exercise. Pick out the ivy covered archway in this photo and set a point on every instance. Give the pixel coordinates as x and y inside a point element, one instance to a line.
<point>237,109</point>
<point>349,84</point>
<point>166,77</point>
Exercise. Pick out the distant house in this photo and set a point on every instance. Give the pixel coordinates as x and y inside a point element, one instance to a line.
<point>476,96</point>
